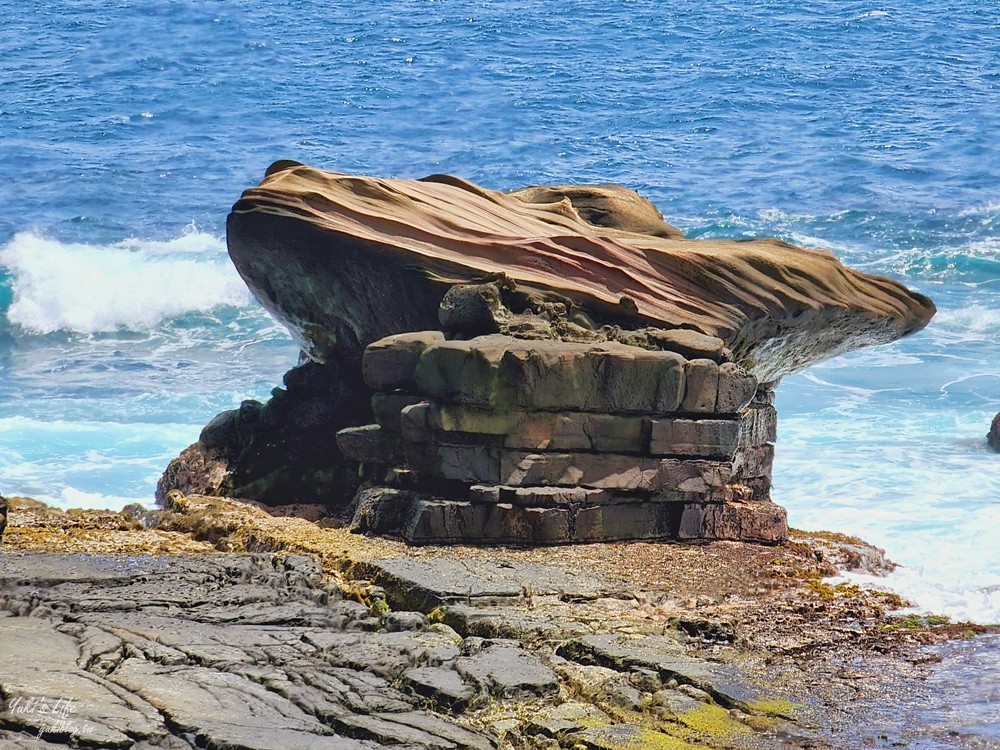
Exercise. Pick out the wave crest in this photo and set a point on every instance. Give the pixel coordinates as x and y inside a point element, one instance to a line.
<point>134,284</point>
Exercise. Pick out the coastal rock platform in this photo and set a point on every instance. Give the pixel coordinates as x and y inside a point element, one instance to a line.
<point>214,624</point>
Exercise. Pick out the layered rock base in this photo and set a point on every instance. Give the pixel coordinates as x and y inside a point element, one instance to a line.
<point>504,440</point>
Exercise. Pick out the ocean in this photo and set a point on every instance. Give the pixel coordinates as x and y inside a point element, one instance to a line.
<point>127,130</point>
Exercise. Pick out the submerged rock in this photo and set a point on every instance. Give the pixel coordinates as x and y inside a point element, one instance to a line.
<point>345,260</point>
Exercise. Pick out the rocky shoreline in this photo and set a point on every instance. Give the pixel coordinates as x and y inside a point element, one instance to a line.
<point>218,624</point>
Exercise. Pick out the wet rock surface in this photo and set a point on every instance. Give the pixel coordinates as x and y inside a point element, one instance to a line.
<point>993,438</point>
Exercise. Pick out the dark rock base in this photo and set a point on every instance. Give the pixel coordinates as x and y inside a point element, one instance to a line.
<point>280,452</point>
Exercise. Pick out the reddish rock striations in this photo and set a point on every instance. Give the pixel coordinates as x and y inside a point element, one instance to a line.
<point>345,260</point>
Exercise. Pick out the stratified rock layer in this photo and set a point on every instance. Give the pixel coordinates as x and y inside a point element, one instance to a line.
<point>346,260</point>
<point>500,440</point>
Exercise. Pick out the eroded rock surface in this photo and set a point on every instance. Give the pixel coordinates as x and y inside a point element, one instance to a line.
<point>213,651</point>
<point>345,260</point>
<point>499,440</point>
<point>347,642</point>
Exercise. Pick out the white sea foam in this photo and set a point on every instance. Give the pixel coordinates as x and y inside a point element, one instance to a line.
<point>133,284</point>
<point>72,464</point>
<point>972,322</point>
<point>987,210</point>
<point>918,483</point>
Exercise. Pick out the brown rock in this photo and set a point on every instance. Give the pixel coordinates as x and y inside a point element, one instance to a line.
<point>500,372</point>
<point>750,463</point>
<point>370,444</point>
<point>559,431</point>
<point>391,362</point>
<point>708,438</point>
<point>345,260</point>
<point>994,436</point>
<point>538,497</point>
<point>611,206</point>
<point>758,425</point>
<point>435,522</point>
<point>627,521</point>
<point>388,409</point>
<point>472,464</point>
<point>736,388</point>
<point>701,387</point>
<point>193,473</point>
<point>746,522</point>
<point>3,514</point>
<point>612,471</point>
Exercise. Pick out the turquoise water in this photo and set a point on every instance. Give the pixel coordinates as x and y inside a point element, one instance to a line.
<point>127,130</point>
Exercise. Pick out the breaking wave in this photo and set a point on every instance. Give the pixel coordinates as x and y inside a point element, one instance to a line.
<point>137,285</point>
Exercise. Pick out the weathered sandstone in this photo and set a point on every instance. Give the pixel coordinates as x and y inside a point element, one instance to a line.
<point>345,260</point>
<point>500,440</point>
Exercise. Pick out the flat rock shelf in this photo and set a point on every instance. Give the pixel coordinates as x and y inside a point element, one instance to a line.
<point>162,629</point>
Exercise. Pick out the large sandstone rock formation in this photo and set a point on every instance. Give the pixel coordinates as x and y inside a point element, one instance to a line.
<point>345,261</point>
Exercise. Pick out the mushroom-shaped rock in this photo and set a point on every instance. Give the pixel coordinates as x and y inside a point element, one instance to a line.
<point>345,260</point>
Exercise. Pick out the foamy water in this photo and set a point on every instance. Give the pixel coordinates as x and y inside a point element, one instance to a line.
<point>130,284</point>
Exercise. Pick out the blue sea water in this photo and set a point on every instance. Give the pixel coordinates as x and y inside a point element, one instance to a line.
<point>128,128</point>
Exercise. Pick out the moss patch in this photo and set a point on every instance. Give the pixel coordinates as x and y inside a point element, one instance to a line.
<point>780,708</point>
<point>631,738</point>
<point>714,721</point>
